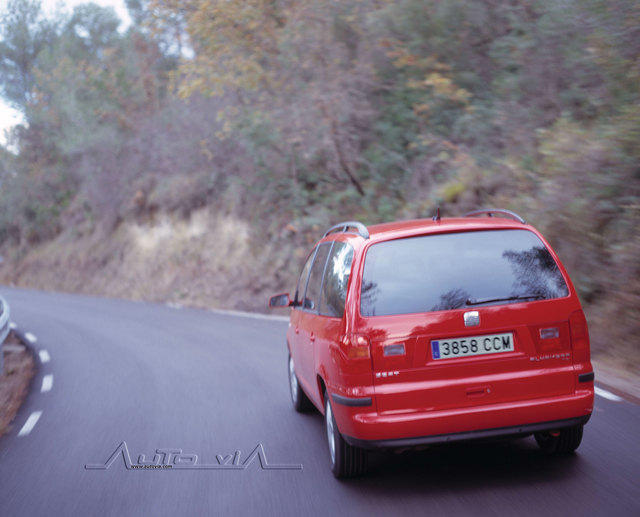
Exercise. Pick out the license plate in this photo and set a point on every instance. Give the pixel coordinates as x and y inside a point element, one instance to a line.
<point>472,345</point>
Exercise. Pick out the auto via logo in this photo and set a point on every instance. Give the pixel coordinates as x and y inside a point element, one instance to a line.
<point>175,459</point>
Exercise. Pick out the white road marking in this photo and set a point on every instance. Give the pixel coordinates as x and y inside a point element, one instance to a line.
<point>242,314</point>
<point>30,423</point>
<point>30,337</point>
<point>47,382</point>
<point>44,356</point>
<point>255,315</point>
<point>12,325</point>
<point>606,394</point>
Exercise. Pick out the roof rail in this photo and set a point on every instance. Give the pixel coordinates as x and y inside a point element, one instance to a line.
<point>361,229</point>
<point>491,211</point>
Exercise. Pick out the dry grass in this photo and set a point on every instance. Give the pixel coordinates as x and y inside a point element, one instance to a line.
<point>206,260</point>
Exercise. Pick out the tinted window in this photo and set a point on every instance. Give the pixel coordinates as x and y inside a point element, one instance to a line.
<point>312,296</point>
<point>450,271</point>
<point>336,278</point>
<point>302,281</point>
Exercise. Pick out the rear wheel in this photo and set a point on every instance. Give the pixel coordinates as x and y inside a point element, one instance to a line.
<point>563,441</point>
<point>301,402</point>
<point>346,461</point>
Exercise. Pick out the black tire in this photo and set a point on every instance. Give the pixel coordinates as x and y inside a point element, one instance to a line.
<point>301,402</point>
<point>346,461</point>
<point>564,441</point>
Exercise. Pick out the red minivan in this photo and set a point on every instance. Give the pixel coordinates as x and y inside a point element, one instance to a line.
<point>428,331</point>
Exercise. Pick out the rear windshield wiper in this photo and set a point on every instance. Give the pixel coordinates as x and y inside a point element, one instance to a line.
<point>471,301</point>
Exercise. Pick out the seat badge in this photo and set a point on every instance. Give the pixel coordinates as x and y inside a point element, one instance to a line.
<point>471,319</point>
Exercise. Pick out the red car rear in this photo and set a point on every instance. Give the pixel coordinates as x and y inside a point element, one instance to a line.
<point>428,331</point>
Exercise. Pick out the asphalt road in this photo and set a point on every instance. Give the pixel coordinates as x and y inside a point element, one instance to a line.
<point>157,377</point>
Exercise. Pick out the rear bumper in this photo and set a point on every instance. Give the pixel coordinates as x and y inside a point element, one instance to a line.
<point>368,428</point>
<point>525,429</point>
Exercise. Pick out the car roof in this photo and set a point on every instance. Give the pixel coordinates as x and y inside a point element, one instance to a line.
<point>413,227</point>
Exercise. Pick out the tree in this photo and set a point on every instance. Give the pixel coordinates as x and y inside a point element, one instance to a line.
<point>24,33</point>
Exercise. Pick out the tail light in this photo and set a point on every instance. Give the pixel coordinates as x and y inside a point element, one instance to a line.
<point>551,337</point>
<point>356,346</point>
<point>394,349</point>
<point>579,336</point>
<point>550,333</point>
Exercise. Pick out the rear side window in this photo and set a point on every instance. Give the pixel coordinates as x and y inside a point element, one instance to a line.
<point>336,278</point>
<point>302,281</point>
<point>312,296</point>
<point>450,271</point>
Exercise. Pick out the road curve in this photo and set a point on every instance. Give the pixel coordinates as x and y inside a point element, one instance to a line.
<point>157,377</point>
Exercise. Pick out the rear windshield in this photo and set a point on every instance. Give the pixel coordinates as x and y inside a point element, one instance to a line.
<point>454,270</point>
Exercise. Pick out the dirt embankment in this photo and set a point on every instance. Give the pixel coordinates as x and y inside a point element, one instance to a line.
<point>19,369</point>
<point>206,261</point>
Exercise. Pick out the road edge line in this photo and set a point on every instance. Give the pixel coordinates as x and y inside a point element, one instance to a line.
<point>36,379</point>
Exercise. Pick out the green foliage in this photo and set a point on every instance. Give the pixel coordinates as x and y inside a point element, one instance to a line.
<point>24,33</point>
<point>83,97</point>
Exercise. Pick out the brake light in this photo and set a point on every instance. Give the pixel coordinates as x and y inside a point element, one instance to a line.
<point>579,336</point>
